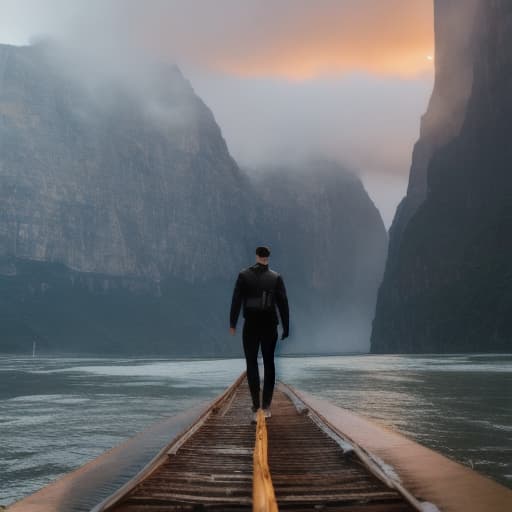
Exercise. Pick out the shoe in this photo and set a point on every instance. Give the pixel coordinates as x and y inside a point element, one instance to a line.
<point>267,412</point>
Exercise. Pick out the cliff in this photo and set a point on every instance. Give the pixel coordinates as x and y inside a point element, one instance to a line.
<point>125,221</point>
<point>112,181</point>
<point>122,211</point>
<point>453,20</point>
<point>448,282</point>
<point>331,246</point>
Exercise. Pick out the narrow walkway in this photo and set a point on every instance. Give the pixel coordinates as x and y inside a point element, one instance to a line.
<point>202,459</point>
<point>213,469</point>
<point>311,472</point>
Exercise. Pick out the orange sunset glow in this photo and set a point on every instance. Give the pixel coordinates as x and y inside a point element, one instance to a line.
<point>303,40</point>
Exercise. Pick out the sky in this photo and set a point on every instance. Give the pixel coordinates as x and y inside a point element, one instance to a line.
<point>286,80</point>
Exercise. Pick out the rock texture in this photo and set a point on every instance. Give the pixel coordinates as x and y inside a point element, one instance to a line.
<point>331,246</point>
<point>125,221</point>
<point>442,121</point>
<point>104,181</point>
<point>122,210</point>
<point>448,280</point>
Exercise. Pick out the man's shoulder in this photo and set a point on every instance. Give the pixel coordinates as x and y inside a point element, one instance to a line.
<point>251,268</point>
<point>245,273</point>
<point>274,273</point>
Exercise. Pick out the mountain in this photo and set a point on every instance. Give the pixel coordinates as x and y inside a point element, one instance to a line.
<point>448,279</point>
<point>121,212</point>
<point>442,121</point>
<point>111,182</point>
<point>125,220</point>
<point>331,248</point>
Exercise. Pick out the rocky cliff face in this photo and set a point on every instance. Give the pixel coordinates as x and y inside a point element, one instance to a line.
<point>122,211</point>
<point>448,283</point>
<point>441,122</point>
<point>125,221</point>
<point>113,182</point>
<point>330,247</point>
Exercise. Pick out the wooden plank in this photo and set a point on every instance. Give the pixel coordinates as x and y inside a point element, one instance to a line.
<point>263,496</point>
<point>425,473</point>
<point>201,460</point>
<point>171,448</point>
<point>210,465</point>
<point>83,488</point>
<point>310,469</point>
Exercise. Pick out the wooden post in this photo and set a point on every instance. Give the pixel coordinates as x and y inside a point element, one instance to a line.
<point>263,496</point>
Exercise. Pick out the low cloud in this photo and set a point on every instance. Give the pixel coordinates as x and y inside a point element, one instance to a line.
<point>290,79</point>
<point>294,39</point>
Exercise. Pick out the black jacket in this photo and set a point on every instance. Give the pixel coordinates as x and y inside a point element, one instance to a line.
<point>256,285</point>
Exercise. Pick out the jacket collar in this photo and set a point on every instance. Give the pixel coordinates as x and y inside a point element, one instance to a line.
<point>259,267</point>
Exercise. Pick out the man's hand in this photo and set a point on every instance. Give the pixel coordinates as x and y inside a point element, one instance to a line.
<point>284,335</point>
<point>232,331</point>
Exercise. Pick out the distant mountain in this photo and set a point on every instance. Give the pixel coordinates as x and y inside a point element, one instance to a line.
<point>331,248</point>
<point>125,220</point>
<point>448,280</point>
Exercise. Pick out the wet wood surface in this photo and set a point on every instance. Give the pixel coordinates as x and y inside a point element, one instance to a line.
<point>263,495</point>
<point>90,485</point>
<point>213,469</point>
<point>85,487</point>
<point>428,475</point>
<point>202,459</point>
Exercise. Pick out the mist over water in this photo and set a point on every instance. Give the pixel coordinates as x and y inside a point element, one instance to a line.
<point>58,413</point>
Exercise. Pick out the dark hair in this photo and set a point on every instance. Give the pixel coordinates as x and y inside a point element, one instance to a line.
<point>263,251</point>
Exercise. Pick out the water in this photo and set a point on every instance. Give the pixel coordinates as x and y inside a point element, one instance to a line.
<point>58,413</point>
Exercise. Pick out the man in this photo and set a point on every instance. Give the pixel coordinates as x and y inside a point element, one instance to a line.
<point>260,289</point>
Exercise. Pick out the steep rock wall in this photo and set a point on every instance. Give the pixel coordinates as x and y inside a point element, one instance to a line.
<point>450,286</point>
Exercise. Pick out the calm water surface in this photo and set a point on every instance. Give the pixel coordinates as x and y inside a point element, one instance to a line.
<point>58,413</point>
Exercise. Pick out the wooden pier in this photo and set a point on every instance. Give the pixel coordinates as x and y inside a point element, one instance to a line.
<point>310,455</point>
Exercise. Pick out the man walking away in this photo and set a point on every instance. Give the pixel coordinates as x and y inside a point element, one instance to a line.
<point>260,289</point>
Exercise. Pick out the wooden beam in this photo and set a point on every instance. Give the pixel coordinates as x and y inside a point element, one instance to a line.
<point>424,473</point>
<point>263,496</point>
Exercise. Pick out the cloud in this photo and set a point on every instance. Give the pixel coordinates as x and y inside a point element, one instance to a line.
<point>294,39</point>
<point>366,122</point>
<point>287,79</point>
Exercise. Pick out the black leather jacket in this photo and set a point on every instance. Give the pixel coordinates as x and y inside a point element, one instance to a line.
<point>260,290</point>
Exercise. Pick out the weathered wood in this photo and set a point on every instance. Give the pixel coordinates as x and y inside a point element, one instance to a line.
<point>426,474</point>
<point>203,462</point>
<point>320,457</point>
<point>308,469</point>
<point>263,496</point>
<point>84,488</point>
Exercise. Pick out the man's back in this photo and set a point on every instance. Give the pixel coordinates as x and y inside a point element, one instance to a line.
<point>260,289</point>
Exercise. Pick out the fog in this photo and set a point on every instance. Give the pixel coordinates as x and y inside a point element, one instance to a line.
<point>269,121</point>
<point>344,80</point>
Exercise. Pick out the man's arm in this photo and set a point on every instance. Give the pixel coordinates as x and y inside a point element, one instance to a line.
<point>282,305</point>
<point>236,302</point>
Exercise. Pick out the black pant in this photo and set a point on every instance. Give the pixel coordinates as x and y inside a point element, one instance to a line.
<point>254,333</point>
